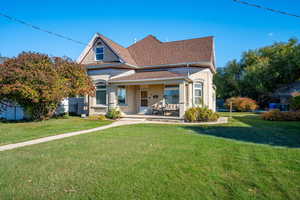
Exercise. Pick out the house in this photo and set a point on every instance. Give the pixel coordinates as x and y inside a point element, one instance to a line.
<point>282,96</point>
<point>150,75</point>
<point>2,59</point>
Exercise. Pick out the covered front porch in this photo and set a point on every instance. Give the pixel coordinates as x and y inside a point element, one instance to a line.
<point>151,98</point>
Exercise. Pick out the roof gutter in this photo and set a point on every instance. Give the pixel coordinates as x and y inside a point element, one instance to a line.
<point>150,79</point>
<point>103,66</point>
<point>204,63</point>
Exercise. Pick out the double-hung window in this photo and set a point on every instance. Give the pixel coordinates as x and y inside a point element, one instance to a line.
<point>99,52</point>
<point>121,95</point>
<point>171,94</point>
<point>101,94</point>
<point>198,93</point>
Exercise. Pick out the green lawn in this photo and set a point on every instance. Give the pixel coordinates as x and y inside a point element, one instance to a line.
<point>246,159</point>
<point>23,131</point>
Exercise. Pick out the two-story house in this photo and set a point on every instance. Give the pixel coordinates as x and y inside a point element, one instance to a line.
<point>150,75</point>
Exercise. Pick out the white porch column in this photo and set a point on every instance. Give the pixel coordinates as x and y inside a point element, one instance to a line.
<point>182,99</point>
<point>112,96</point>
<point>190,95</point>
<point>86,105</point>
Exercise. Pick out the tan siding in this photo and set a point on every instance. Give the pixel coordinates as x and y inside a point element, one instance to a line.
<point>130,107</point>
<point>206,76</point>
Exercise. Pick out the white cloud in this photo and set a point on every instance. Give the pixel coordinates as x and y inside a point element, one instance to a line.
<point>270,34</point>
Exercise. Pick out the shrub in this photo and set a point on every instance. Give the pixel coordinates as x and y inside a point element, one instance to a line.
<point>242,104</point>
<point>97,117</point>
<point>113,113</point>
<point>277,115</point>
<point>38,83</point>
<point>191,115</point>
<point>200,114</point>
<point>295,103</point>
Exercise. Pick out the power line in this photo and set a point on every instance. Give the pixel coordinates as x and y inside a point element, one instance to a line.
<point>265,8</point>
<point>40,29</point>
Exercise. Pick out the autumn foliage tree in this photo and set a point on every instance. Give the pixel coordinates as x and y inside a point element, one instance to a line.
<point>241,104</point>
<point>39,83</point>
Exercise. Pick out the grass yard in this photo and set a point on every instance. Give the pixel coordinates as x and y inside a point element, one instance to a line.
<point>18,132</point>
<point>245,159</point>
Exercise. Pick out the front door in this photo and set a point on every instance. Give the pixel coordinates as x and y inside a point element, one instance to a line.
<point>144,102</point>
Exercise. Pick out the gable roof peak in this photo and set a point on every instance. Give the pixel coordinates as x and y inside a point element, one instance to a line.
<point>149,38</point>
<point>152,37</point>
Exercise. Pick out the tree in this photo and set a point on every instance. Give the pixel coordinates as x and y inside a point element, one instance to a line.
<point>39,83</point>
<point>227,80</point>
<point>260,72</point>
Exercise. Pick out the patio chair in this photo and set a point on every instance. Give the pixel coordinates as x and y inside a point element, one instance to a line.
<point>157,109</point>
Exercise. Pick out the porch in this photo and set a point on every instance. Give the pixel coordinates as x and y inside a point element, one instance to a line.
<point>150,99</point>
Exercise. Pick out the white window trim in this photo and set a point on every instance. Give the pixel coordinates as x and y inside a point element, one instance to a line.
<point>106,94</point>
<point>122,104</point>
<point>99,46</point>
<point>194,93</point>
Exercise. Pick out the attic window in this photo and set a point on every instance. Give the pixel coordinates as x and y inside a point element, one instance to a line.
<point>99,52</point>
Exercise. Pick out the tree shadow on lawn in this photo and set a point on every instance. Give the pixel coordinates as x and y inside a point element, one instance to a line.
<point>255,130</point>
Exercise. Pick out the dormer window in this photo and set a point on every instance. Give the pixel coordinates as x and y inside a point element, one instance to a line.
<point>99,52</point>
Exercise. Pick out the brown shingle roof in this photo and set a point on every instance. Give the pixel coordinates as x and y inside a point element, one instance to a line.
<point>148,75</point>
<point>151,51</point>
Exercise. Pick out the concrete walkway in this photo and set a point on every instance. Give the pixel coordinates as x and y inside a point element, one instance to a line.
<point>121,122</point>
<point>65,135</point>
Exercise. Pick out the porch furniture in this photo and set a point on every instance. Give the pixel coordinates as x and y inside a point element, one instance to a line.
<point>157,109</point>
<point>170,108</point>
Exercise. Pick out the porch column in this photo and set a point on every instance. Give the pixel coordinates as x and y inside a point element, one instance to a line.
<point>112,100</point>
<point>190,95</point>
<point>86,105</point>
<point>182,99</point>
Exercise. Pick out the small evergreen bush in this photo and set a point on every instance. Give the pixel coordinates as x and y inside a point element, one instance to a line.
<point>191,115</point>
<point>198,114</point>
<point>113,113</point>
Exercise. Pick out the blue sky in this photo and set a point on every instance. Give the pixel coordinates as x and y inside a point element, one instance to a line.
<point>236,27</point>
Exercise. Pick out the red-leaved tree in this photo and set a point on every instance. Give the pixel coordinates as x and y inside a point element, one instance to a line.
<point>39,83</point>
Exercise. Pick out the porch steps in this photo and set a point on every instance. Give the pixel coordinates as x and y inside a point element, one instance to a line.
<point>153,118</point>
<point>166,120</point>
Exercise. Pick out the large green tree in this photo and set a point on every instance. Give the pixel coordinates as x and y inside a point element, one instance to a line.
<point>260,72</point>
<point>39,83</point>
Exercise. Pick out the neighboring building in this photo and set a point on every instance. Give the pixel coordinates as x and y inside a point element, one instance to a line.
<point>285,93</point>
<point>14,112</point>
<point>150,74</point>
<point>2,59</point>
